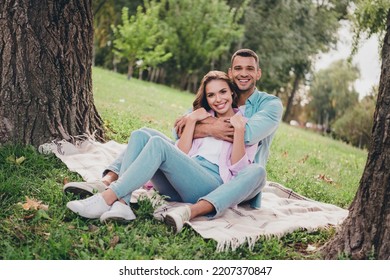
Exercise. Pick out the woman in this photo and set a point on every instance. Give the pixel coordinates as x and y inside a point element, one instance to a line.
<point>193,167</point>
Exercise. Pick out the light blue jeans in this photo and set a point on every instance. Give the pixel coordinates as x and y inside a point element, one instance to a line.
<point>150,155</point>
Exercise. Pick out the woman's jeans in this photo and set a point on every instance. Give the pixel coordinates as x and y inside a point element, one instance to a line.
<point>150,155</point>
<point>173,173</point>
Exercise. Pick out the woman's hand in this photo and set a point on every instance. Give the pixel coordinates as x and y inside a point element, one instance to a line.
<point>199,114</point>
<point>238,122</point>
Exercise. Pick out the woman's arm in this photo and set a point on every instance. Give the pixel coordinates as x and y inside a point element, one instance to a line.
<point>185,141</point>
<point>238,150</point>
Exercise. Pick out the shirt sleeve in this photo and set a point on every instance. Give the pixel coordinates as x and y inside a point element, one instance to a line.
<point>264,122</point>
<point>246,160</point>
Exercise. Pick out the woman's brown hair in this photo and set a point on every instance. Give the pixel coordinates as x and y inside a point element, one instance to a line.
<point>200,98</point>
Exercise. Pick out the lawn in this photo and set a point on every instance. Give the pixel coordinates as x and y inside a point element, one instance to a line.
<point>312,165</point>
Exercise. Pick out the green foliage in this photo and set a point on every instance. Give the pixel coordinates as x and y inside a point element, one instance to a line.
<point>370,18</point>
<point>200,32</point>
<point>141,37</point>
<point>355,125</point>
<point>286,34</point>
<point>332,92</point>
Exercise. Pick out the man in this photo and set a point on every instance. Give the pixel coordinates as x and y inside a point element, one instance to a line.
<point>263,111</point>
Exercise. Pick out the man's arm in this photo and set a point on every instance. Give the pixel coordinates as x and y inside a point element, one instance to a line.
<point>264,122</point>
<point>219,128</point>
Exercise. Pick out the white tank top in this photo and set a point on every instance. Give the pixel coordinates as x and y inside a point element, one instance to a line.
<point>210,149</point>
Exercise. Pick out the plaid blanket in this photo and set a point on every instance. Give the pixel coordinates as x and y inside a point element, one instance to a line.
<point>283,211</point>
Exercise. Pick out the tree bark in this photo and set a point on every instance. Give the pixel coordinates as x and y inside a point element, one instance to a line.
<point>46,71</point>
<point>366,231</point>
<point>291,97</point>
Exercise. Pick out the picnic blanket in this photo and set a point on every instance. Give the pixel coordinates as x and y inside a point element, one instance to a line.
<point>283,210</point>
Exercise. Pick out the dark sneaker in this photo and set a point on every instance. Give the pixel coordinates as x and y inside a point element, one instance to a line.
<point>84,189</point>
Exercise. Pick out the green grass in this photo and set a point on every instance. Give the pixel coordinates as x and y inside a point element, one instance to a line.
<point>298,160</point>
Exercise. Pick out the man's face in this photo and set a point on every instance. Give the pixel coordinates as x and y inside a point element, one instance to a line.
<point>244,72</point>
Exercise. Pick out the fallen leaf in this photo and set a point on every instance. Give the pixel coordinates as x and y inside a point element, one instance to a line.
<point>114,241</point>
<point>11,159</point>
<point>311,248</point>
<point>285,154</point>
<point>20,160</point>
<point>66,180</point>
<point>34,204</point>
<point>15,160</point>
<point>29,217</point>
<point>304,159</point>
<point>92,228</point>
<point>324,178</point>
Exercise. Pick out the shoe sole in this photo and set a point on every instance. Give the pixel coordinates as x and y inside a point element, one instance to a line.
<point>170,221</point>
<point>117,220</point>
<point>77,191</point>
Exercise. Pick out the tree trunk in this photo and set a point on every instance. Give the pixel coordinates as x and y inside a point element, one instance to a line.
<point>45,71</point>
<point>366,231</point>
<point>291,97</point>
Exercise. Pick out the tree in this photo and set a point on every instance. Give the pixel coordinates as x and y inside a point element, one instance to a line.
<point>365,232</point>
<point>45,71</point>
<point>287,35</point>
<point>355,125</point>
<point>332,92</point>
<point>200,32</point>
<point>141,36</point>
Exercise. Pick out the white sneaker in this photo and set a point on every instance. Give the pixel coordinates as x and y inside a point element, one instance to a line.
<point>84,189</point>
<point>119,212</point>
<point>177,217</point>
<point>92,207</point>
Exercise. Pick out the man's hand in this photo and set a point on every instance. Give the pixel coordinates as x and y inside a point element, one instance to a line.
<point>180,123</point>
<point>219,128</point>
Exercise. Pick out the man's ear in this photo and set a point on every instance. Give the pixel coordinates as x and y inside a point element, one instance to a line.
<point>258,75</point>
<point>230,73</point>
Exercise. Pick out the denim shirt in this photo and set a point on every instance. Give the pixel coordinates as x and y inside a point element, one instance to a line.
<point>264,112</point>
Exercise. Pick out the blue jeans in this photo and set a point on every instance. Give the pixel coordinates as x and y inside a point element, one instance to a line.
<point>150,155</point>
<point>248,183</point>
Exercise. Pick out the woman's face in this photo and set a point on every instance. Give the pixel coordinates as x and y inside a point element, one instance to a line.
<point>219,97</point>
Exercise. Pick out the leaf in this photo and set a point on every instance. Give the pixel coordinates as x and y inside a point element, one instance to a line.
<point>66,180</point>
<point>304,159</point>
<point>114,241</point>
<point>33,204</point>
<point>13,159</point>
<point>324,178</point>
<point>41,214</point>
<point>311,248</point>
<point>20,160</point>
